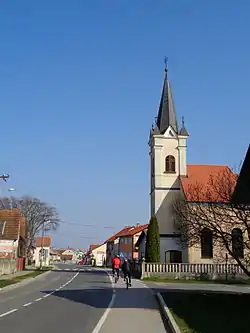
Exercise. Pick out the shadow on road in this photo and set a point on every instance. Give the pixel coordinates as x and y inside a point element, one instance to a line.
<point>100,296</point>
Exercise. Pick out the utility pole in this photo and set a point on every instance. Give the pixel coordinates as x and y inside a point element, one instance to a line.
<point>11,201</point>
<point>41,256</point>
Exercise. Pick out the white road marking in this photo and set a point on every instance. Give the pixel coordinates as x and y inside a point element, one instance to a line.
<point>40,298</point>
<point>7,313</point>
<point>27,304</point>
<point>106,313</point>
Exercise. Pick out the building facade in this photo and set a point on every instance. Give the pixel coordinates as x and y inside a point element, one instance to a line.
<point>168,161</point>
<point>171,179</point>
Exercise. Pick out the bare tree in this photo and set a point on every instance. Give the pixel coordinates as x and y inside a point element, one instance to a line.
<point>37,213</point>
<point>209,211</point>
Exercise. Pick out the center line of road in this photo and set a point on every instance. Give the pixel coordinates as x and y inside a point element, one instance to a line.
<point>27,304</point>
<point>40,298</point>
<point>7,313</point>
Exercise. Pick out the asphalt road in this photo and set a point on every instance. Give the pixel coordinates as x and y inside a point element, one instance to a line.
<point>67,300</point>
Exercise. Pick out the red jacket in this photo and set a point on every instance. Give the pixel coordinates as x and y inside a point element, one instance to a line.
<point>116,263</point>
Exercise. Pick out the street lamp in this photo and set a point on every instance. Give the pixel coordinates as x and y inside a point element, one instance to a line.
<point>11,203</point>
<point>43,231</point>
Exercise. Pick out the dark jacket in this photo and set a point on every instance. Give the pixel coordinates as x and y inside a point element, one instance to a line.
<point>126,267</point>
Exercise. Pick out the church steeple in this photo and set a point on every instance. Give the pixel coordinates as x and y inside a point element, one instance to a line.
<point>166,114</point>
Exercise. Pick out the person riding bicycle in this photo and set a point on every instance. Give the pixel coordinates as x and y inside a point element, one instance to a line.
<point>126,269</point>
<point>116,266</point>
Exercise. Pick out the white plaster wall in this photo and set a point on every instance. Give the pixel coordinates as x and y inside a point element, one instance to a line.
<point>168,244</point>
<point>183,155</point>
<point>46,260</point>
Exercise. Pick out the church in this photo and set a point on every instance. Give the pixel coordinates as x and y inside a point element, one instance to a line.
<point>171,177</point>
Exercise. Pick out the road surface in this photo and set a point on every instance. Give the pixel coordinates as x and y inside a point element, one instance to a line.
<point>73,301</point>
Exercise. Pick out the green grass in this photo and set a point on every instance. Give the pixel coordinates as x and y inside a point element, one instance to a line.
<point>17,279</point>
<point>164,280</point>
<point>206,312</point>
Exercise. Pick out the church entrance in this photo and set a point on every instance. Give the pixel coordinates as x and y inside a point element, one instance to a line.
<point>173,257</point>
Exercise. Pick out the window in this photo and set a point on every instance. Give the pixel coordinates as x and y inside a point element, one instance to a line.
<point>170,164</point>
<point>237,243</point>
<point>206,243</point>
<point>173,257</point>
<point>2,226</point>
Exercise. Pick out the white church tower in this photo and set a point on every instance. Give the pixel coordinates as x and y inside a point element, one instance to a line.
<point>168,157</point>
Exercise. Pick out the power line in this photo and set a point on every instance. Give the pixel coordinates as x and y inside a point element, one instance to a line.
<point>88,225</point>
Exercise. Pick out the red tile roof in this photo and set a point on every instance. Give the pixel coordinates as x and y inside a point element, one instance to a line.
<point>118,234</point>
<point>43,241</point>
<point>93,246</point>
<point>210,183</point>
<point>134,230</point>
<point>12,224</point>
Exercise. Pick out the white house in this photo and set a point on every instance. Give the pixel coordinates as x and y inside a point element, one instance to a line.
<point>42,251</point>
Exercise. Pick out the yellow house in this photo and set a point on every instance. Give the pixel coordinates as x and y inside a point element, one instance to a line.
<point>98,253</point>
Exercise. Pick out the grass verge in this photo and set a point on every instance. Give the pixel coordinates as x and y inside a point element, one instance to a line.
<point>232,282</point>
<point>199,312</point>
<point>17,279</point>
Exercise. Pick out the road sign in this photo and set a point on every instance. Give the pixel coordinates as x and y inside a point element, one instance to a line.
<point>121,255</point>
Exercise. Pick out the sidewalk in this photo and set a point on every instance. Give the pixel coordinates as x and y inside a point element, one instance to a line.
<point>133,310</point>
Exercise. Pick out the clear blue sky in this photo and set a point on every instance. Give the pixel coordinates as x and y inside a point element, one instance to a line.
<point>80,83</point>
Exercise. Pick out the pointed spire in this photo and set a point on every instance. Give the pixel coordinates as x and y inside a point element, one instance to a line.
<point>183,131</point>
<point>166,114</point>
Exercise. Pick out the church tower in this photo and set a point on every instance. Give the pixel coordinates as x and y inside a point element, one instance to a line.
<point>168,162</point>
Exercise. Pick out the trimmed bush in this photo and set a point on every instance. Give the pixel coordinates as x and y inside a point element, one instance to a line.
<point>153,241</point>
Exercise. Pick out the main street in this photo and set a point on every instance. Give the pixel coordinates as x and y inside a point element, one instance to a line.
<point>72,300</point>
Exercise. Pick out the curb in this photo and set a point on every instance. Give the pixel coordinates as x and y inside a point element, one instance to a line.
<point>24,282</point>
<point>173,327</point>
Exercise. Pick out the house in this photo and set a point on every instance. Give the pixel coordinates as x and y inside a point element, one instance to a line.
<point>140,245</point>
<point>12,234</point>
<point>112,245</point>
<point>69,255</point>
<point>128,239</point>
<point>42,251</point>
<point>55,255</point>
<point>98,253</point>
<point>171,178</point>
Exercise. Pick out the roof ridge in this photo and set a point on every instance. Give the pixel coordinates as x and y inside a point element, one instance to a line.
<point>206,165</point>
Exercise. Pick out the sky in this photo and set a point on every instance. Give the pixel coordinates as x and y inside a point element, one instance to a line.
<point>80,84</point>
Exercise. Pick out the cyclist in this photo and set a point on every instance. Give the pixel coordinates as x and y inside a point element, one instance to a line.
<point>116,266</point>
<point>126,268</point>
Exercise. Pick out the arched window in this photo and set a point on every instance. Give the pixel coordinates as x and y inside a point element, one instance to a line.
<point>237,243</point>
<point>206,243</point>
<point>170,164</point>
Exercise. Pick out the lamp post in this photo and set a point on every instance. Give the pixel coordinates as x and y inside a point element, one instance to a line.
<point>11,202</point>
<point>43,231</point>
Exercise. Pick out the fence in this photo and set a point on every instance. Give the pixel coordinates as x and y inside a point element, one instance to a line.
<point>188,271</point>
<point>8,266</point>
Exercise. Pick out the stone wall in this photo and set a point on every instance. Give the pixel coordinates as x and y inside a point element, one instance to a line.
<point>7,266</point>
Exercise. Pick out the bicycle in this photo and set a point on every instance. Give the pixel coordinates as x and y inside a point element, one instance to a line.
<point>116,276</point>
<point>127,282</point>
